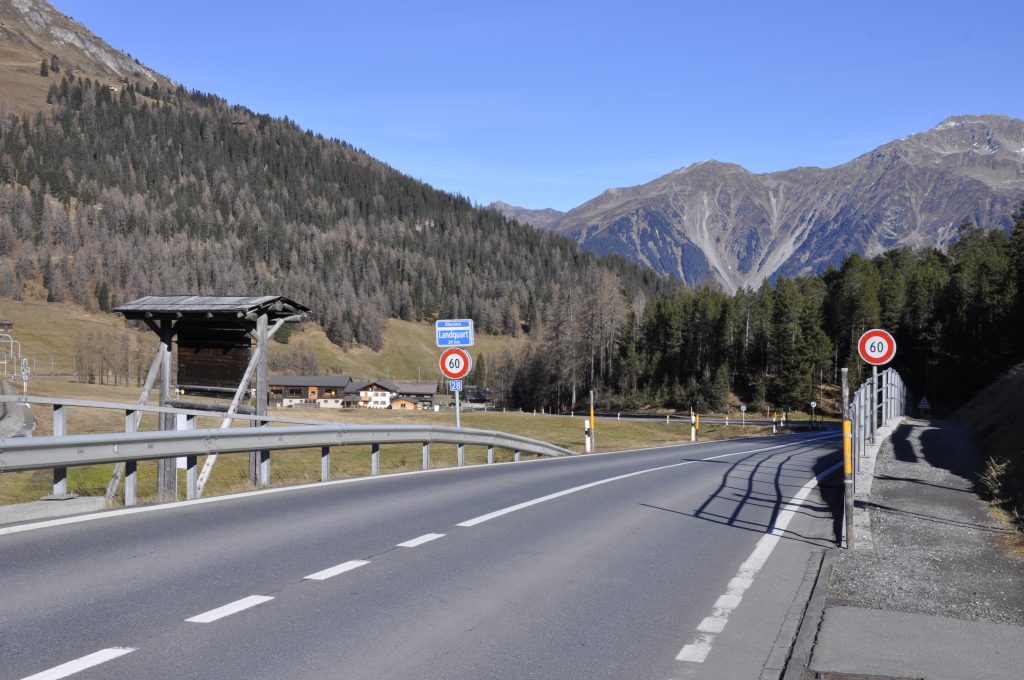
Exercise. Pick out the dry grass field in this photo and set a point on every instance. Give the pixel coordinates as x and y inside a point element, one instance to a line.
<point>409,351</point>
<point>50,332</point>
<point>303,466</point>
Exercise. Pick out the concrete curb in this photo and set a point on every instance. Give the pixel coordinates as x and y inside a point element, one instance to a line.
<point>807,634</point>
<point>865,475</point>
<point>35,510</point>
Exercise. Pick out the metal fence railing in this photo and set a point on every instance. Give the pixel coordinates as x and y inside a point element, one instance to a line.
<point>63,450</point>
<point>879,402</point>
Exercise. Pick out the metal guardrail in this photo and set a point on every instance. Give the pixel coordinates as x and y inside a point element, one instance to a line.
<point>61,451</point>
<point>891,401</point>
<point>880,400</point>
<point>35,453</point>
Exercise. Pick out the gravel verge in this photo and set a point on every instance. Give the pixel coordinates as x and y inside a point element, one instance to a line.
<point>937,548</point>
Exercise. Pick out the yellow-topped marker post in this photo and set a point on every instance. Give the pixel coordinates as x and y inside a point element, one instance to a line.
<point>848,477</point>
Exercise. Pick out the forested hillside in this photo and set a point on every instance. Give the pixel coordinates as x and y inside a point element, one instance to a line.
<point>121,193</point>
<point>958,319</point>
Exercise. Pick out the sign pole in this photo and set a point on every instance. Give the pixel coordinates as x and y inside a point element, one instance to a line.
<point>874,402</point>
<point>455,364</point>
<point>458,410</point>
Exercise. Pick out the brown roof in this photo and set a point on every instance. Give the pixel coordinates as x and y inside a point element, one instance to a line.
<point>156,306</point>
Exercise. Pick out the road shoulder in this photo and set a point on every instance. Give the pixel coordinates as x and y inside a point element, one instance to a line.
<point>939,594</point>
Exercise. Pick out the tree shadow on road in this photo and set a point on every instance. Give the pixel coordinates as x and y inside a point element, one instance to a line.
<point>754,483</point>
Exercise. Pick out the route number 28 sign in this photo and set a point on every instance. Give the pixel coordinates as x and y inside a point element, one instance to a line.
<point>877,347</point>
<point>455,363</point>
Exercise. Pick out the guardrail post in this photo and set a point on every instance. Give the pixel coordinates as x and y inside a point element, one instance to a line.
<point>887,395</point>
<point>167,470</point>
<point>188,422</point>
<point>130,466</point>
<point>426,455</point>
<point>325,463</point>
<point>60,428</point>
<point>265,467</point>
<point>858,430</point>
<point>490,455</point>
<point>374,459</point>
<point>461,455</point>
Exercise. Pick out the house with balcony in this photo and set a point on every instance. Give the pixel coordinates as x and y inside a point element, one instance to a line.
<point>316,391</point>
<point>375,394</point>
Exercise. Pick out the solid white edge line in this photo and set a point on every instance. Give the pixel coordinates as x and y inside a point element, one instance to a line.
<point>72,667</point>
<point>698,650</point>
<point>229,609</point>
<point>335,570</point>
<point>565,492</point>
<point>425,538</point>
<point>178,505</point>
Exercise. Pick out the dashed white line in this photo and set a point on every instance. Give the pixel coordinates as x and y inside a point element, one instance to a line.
<point>334,571</point>
<point>229,609</point>
<point>698,650</point>
<point>72,667</point>
<point>425,538</point>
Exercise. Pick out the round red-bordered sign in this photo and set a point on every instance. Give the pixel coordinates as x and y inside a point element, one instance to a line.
<point>877,347</point>
<point>455,363</point>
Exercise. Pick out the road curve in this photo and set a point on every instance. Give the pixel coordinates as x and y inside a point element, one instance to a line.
<point>643,564</point>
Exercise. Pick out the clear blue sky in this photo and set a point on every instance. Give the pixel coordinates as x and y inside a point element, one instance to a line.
<point>546,104</point>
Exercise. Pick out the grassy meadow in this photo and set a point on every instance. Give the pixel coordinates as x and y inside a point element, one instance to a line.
<point>303,465</point>
<point>49,333</point>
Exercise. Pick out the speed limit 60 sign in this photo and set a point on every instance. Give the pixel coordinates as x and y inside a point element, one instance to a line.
<point>877,347</point>
<point>455,363</point>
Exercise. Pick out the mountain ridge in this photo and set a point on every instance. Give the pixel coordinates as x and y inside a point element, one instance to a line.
<point>33,32</point>
<point>126,185</point>
<point>714,221</point>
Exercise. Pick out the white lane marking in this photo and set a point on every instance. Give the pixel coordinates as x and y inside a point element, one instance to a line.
<point>698,650</point>
<point>229,609</point>
<point>712,624</point>
<point>425,538</point>
<point>72,667</point>
<point>112,514</point>
<point>565,492</point>
<point>335,570</point>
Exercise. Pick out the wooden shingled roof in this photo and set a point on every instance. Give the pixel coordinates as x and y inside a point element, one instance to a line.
<point>177,306</point>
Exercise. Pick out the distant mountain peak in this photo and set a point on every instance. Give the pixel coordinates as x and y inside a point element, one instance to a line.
<point>543,219</point>
<point>714,221</point>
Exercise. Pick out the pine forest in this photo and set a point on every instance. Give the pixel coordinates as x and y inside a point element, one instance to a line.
<point>125,193</point>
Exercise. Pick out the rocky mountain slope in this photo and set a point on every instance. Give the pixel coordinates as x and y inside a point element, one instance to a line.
<point>32,33</point>
<point>714,221</point>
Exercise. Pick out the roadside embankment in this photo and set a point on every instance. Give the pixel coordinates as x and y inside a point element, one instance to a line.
<point>993,418</point>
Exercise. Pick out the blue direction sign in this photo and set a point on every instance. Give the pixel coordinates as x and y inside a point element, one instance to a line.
<point>454,332</point>
<point>455,385</point>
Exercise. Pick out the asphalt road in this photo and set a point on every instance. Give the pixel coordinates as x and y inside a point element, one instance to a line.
<point>645,564</point>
